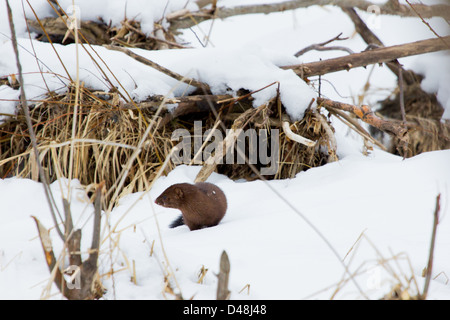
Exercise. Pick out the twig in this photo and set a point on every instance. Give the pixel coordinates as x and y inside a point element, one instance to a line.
<point>23,102</point>
<point>428,25</point>
<point>402,110</point>
<point>352,249</point>
<point>331,141</point>
<point>367,115</point>
<point>75,104</point>
<point>168,266</point>
<point>105,75</point>
<point>353,124</point>
<point>321,46</point>
<point>49,40</point>
<point>158,67</point>
<point>127,167</point>
<point>170,43</point>
<point>222,148</point>
<point>34,51</point>
<point>431,254</point>
<point>296,137</point>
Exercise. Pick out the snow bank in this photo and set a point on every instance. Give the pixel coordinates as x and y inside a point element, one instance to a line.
<point>226,71</point>
<point>270,247</point>
<point>115,11</point>
<point>436,70</point>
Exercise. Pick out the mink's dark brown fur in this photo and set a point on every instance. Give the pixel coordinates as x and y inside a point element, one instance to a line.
<point>202,204</point>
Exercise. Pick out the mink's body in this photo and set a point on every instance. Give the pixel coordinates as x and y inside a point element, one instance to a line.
<point>202,204</point>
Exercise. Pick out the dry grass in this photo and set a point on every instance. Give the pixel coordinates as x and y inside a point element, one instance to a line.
<point>107,133</point>
<point>385,277</point>
<point>428,132</point>
<point>295,157</point>
<point>106,136</point>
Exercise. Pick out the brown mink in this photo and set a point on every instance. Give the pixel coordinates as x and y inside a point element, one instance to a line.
<point>202,204</point>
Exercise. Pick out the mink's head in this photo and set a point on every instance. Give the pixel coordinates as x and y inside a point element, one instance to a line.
<point>172,197</point>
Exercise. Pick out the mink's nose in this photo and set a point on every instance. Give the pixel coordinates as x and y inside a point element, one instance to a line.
<point>160,200</point>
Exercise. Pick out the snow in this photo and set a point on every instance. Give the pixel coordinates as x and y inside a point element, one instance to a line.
<point>437,78</point>
<point>41,8</point>
<point>242,53</point>
<point>226,71</point>
<point>271,247</point>
<point>144,11</point>
<point>303,27</point>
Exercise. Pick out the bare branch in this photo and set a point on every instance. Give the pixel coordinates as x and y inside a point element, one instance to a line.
<point>228,142</point>
<point>321,46</point>
<point>295,137</point>
<point>426,23</point>
<point>431,254</point>
<point>50,256</point>
<point>190,19</point>
<point>365,58</point>
<point>374,42</point>
<point>402,109</point>
<point>367,115</point>
<point>158,67</point>
<point>24,105</point>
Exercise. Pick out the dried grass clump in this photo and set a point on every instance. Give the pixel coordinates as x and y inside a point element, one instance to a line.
<point>423,112</point>
<point>106,136</point>
<point>109,131</point>
<point>293,157</point>
<point>128,34</point>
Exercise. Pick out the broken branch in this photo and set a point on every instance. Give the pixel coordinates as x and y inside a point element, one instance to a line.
<point>368,116</point>
<point>50,256</point>
<point>222,287</point>
<point>295,137</point>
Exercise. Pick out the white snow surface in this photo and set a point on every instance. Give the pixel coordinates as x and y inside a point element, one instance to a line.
<point>271,247</point>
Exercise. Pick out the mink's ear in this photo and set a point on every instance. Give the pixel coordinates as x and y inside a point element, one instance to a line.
<point>179,193</point>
